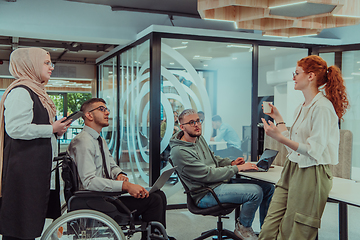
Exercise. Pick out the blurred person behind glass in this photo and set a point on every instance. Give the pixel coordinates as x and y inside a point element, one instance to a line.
<point>228,134</point>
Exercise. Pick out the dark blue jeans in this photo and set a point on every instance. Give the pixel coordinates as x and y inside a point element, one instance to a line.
<point>249,193</point>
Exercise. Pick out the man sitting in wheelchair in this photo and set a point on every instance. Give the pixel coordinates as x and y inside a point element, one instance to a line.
<point>98,171</point>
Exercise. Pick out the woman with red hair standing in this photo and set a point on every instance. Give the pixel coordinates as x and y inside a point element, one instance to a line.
<point>313,144</point>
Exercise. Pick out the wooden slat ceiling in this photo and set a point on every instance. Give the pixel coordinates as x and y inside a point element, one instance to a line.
<point>286,18</point>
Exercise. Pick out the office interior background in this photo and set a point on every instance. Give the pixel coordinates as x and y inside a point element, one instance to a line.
<point>150,58</point>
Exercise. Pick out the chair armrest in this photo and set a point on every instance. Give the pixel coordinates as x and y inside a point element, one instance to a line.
<point>208,189</point>
<point>87,193</point>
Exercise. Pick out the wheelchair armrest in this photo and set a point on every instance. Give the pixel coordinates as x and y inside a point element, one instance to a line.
<point>93,194</point>
<point>207,189</point>
<point>87,193</point>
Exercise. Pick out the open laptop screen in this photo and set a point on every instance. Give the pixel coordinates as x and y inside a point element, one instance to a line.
<point>267,158</point>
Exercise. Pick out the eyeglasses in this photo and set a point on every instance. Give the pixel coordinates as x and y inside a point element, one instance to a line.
<point>295,74</point>
<point>50,64</point>
<point>192,123</point>
<point>101,108</point>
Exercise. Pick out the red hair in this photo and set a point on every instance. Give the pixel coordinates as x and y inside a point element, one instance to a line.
<point>330,78</point>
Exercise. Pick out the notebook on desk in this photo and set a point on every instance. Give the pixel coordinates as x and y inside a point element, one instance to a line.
<point>265,161</point>
<point>160,182</point>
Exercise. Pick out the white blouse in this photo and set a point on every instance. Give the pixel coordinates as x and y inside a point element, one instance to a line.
<point>316,130</point>
<point>18,115</point>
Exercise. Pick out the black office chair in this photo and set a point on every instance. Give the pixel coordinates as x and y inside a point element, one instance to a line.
<point>220,211</point>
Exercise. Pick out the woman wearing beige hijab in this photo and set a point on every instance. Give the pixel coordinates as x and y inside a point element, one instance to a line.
<point>27,145</point>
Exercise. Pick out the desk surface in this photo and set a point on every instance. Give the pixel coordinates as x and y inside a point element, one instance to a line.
<point>343,190</point>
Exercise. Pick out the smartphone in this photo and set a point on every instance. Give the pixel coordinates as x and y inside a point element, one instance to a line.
<point>74,116</point>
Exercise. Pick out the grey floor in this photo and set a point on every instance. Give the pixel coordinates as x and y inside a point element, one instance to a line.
<point>184,225</point>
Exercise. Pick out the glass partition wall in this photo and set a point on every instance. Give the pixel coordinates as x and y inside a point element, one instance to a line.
<point>213,75</point>
<point>275,84</point>
<point>351,74</point>
<point>347,58</point>
<point>107,86</point>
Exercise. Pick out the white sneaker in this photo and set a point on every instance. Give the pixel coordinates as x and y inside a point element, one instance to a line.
<point>245,233</point>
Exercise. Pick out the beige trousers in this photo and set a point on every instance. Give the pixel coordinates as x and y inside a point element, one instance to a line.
<point>298,203</point>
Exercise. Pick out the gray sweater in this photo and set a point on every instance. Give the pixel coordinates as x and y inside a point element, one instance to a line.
<point>198,166</point>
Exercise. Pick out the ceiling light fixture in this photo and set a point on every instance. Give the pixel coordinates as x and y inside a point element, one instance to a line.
<point>218,20</point>
<point>265,35</point>
<point>287,5</point>
<point>180,47</point>
<point>305,35</point>
<point>238,46</point>
<point>350,16</point>
<point>172,63</point>
<point>198,57</point>
<point>184,42</point>
<point>288,18</point>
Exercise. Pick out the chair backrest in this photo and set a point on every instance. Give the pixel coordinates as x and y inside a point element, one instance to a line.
<point>70,176</point>
<point>190,201</point>
<point>217,210</point>
<point>342,169</point>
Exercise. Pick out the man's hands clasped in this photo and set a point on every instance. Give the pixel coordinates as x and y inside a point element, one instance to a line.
<point>135,190</point>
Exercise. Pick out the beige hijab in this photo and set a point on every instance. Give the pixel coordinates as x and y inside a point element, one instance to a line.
<point>25,66</point>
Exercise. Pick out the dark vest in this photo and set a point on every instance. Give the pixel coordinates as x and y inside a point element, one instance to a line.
<point>26,180</point>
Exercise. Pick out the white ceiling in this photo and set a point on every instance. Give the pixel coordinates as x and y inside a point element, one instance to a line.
<point>93,24</point>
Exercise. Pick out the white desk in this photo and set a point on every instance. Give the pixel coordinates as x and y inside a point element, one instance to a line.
<point>344,192</point>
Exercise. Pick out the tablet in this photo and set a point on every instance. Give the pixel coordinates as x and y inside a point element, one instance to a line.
<point>74,116</point>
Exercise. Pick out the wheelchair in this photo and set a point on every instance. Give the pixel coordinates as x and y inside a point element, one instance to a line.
<point>95,215</point>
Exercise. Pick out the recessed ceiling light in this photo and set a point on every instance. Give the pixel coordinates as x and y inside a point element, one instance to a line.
<point>180,47</point>
<point>202,57</point>
<point>172,63</point>
<point>238,46</point>
<point>205,65</point>
<point>273,48</point>
<point>184,42</point>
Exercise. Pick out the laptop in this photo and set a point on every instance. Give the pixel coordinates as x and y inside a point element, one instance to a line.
<point>160,182</point>
<point>265,161</point>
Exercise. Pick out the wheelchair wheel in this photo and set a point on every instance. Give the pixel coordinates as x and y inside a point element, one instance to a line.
<point>83,224</point>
